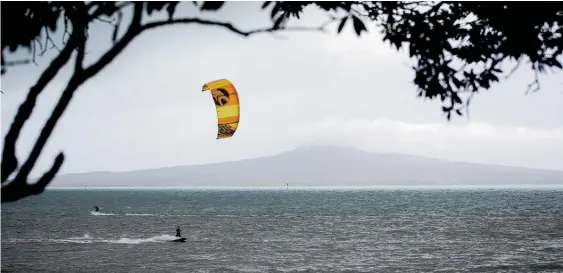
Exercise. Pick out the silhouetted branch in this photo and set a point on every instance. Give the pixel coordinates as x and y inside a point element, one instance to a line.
<point>514,69</point>
<point>42,49</point>
<point>230,26</point>
<point>80,56</point>
<point>534,86</point>
<point>78,38</point>
<point>18,189</point>
<point>133,30</point>
<point>115,24</point>
<point>109,9</point>
<point>9,160</point>
<point>34,53</point>
<point>66,32</point>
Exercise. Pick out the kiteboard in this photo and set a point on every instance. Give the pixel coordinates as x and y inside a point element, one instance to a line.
<point>179,240</point>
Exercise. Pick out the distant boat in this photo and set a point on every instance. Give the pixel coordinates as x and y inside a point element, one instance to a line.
<point>287,186</point>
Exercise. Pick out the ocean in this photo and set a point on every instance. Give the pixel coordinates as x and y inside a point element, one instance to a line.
<point>279,230</point>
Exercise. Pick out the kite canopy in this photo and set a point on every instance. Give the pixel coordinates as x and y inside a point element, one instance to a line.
<point>226,101</point>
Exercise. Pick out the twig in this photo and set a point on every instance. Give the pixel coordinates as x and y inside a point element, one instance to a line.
<point>133,30</point>
<point>80,56</point>
<point>66,32</point>
<point>102,10</point>
<point>534,86</point>
<point>53,44</point>
<point>105,21</point>
<point>514,69</point>
<point>230,26</point>
<point>41,48</point>
<point>469,98</point>
<point>33,53</point>
<point>116,25</point>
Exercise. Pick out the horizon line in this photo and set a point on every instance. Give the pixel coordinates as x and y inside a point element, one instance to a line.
<point>375,187</point>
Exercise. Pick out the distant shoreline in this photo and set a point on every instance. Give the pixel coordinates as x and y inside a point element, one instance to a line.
<point>342,188</point>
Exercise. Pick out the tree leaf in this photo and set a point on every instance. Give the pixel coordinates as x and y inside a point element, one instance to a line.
<point>266,4</point>
<point>275,10</point>
<point>212,5</point>
<point>171,9</point>
<point>279,21</point>
<point>154,6</point>
<point>358,25</point>
<point>341,25</point>
<point>456,98</point>
<point>457,82</point>
<point>114,35</point>
<point>53,24</point>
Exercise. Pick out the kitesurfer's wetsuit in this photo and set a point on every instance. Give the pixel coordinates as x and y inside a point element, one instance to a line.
<point>178,232</point>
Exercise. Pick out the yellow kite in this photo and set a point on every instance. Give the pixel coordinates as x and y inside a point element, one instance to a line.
<point>227,104</point>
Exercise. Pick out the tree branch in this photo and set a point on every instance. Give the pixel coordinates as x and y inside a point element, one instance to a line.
<point>133,30</point>
<point>78,78</point>
<point>105,9</point>
<point>534,86</point>
<point>229,26</point>
<point>48,128</point>
<point>80,48</point>
<point>513,69</point>
<point>15,191</point>
<point>9,160</point>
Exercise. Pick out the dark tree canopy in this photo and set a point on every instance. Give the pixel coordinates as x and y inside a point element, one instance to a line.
<point>459,48</point>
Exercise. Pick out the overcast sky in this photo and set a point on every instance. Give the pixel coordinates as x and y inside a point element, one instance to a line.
<point>146,109</point>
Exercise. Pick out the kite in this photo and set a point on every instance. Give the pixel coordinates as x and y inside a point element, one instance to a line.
<point>226,101</point>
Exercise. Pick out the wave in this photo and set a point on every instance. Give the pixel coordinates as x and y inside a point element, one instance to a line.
<point>87,239</point>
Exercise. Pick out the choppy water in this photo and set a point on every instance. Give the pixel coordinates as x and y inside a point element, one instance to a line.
<point>285,231</point>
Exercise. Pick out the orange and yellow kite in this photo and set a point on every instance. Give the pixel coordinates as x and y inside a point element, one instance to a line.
<point>226,101</point>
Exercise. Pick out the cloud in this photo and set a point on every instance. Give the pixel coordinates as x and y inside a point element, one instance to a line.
<point>472,141</point>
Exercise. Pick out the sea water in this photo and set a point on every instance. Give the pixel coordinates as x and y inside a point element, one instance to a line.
<point>279,230</point>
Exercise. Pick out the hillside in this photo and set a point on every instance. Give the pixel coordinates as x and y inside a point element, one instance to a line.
<point>319,166</point>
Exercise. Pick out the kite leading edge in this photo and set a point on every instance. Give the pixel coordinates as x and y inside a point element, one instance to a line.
<point>226,101</point>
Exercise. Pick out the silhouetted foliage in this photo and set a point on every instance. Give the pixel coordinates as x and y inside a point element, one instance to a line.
<point>459,48</point>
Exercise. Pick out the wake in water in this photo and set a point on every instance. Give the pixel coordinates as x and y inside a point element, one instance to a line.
<point>140,214</point>
<point>87,239</point>
<point>127,214</point>
<point>100,213</point>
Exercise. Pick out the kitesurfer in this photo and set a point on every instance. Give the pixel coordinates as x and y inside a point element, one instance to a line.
<point>178,232</point>
<point>97,209</point>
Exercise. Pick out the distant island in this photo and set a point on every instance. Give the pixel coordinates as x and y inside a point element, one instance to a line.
<point>318,166</point>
